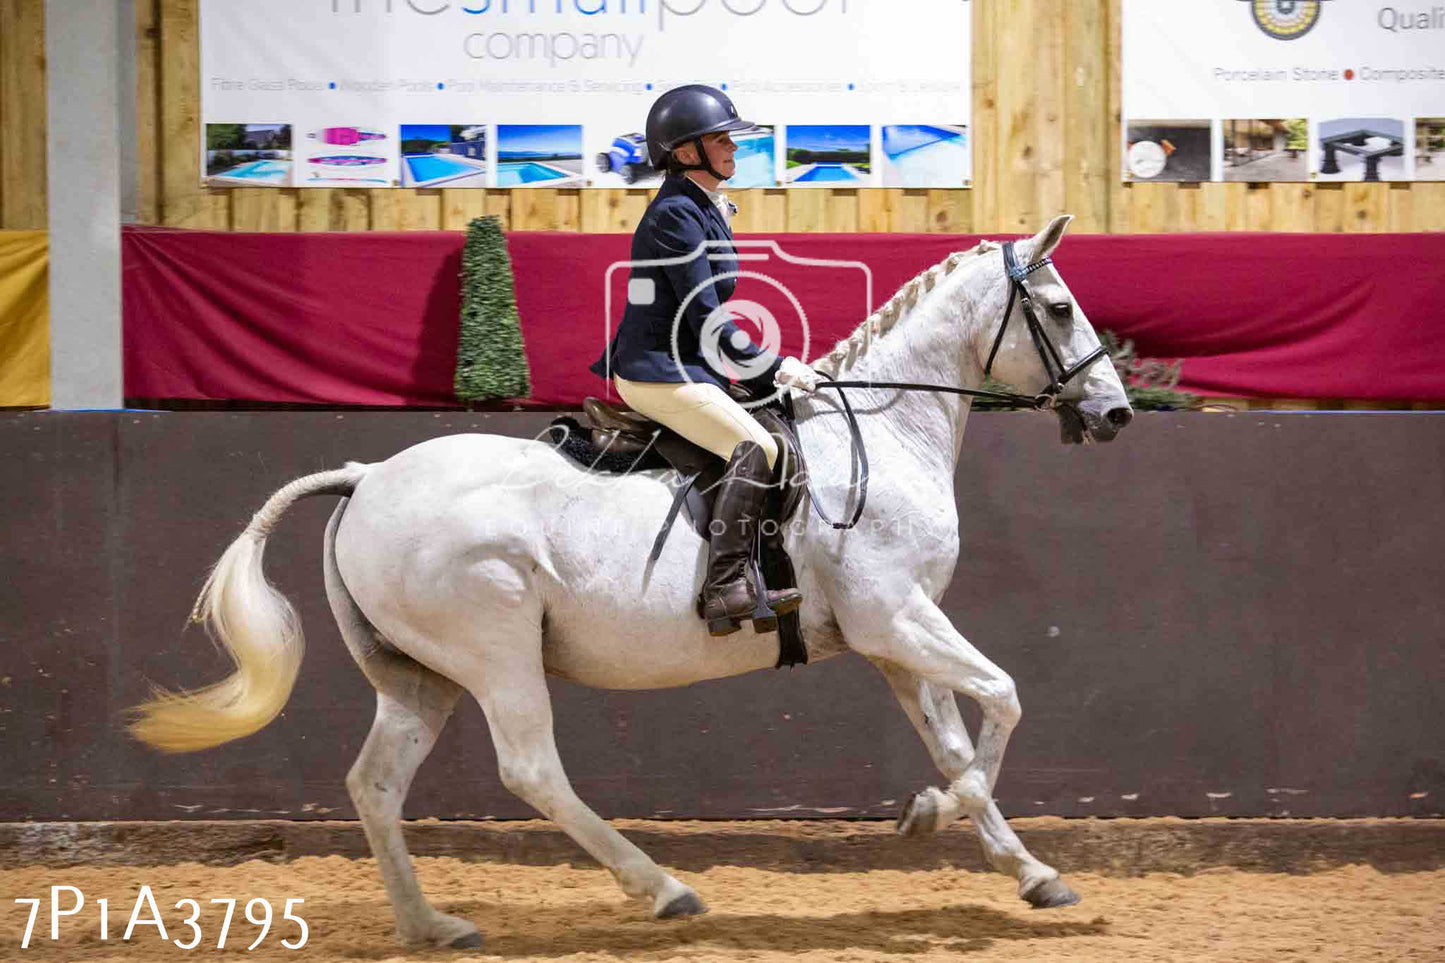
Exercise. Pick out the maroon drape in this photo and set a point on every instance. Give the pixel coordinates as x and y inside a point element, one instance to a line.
<point>371,319</point>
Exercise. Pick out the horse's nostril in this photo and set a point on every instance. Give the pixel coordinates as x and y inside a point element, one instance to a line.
<point>1120,417</point>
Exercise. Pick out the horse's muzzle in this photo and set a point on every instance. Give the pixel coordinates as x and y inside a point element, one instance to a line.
<point>1093,420</point>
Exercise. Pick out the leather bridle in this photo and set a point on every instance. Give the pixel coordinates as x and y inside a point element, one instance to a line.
<point>1046,400</point>
<point>1048,353</point>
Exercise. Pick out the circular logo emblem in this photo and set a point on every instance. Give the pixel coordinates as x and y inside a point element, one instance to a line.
<point>1286,19</point>
<point>745,317</point>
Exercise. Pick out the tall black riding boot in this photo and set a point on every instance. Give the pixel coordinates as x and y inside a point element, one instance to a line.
<point>728,596</point>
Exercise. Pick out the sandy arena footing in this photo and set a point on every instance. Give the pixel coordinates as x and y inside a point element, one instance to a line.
<point>1161,889</point>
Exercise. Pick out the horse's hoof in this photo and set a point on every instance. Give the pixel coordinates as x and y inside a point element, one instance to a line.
<point>686,904</point>
<point>919,816</point>
<point>723,626</point>
<point>472,941</point>
<point>1051,894</point>
<point>443,931</point>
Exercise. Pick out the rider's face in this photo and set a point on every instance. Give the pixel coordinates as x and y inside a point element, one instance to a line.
<point>720,149</point>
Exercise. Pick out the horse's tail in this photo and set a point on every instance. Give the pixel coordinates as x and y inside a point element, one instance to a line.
<point>257,628</point>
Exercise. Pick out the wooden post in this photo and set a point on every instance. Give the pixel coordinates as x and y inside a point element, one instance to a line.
<point>183,202</point>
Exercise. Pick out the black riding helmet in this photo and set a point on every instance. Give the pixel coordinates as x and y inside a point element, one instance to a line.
<point>686,114</point>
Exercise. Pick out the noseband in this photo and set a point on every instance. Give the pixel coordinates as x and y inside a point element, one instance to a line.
<point>1059,376</point>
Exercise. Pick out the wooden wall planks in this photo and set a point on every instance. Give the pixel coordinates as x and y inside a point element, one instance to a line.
<point>183,202</point>
<point>1045,133</point>
<point>22,115</point>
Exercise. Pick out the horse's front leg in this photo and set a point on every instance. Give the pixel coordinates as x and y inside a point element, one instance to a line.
<point>935,715</point>
<point>918,637</point>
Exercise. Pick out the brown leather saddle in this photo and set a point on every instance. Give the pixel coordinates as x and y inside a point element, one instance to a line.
<point>621,442</point>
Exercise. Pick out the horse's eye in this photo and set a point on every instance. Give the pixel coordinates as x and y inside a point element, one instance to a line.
<point>1062,308</point>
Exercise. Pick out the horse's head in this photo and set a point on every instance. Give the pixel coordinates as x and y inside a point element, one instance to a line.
<point>1092,404</point>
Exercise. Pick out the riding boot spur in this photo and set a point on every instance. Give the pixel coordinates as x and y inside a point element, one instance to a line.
<point>728,595</point>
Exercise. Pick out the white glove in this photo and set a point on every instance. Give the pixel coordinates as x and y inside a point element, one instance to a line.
<point>795,374</point>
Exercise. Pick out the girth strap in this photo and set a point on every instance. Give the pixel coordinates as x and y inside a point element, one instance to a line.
<point>677,499</point>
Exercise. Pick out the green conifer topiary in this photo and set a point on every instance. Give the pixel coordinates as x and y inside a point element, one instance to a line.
<point>491,358</point>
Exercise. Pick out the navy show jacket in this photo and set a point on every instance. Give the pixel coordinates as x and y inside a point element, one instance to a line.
<point>676,224</point>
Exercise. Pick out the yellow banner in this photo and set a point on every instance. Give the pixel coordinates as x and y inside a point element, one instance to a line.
<point>24,319</point>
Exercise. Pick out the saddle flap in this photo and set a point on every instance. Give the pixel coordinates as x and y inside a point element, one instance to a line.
<point>605,417</point>
<point>619,442</point>
<point>686,457</point>
<point>791,473</point>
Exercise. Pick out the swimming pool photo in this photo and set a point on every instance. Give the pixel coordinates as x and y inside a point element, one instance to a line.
<point>450,154</point>
<point>424,170</point>
<point>539,155</point>
<point>828,155</point>
<point>926,155</point>
<point>248,155</point>
<point>269,173</point>
<point>829,172</point>
<point>517,174</point>
<point>754,160</point>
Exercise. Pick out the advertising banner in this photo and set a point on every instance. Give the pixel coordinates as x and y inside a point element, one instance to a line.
<point>1283,90</point>
<point>555,93</point>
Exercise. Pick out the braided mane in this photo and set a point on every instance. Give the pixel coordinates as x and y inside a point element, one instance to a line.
<point>880,322</point>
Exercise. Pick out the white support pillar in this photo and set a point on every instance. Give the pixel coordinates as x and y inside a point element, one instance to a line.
<point>83,78</point>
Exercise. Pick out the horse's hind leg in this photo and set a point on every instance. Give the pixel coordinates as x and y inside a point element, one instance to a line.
<point>512,690</point>
<point>412,705</point>
<point>934,713</point>
<point>411,709</point>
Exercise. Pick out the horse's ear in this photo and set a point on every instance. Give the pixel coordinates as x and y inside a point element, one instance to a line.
<point>1046,240</point>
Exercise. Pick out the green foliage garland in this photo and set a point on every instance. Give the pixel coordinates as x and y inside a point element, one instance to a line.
<point>491,359</point>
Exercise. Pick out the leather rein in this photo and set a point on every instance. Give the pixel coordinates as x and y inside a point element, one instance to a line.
<point>1045,400</point>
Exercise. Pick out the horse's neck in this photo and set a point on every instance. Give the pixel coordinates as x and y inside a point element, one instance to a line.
<point>925,348</point>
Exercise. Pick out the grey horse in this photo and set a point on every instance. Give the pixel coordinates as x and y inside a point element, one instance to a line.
<point>481,564</point>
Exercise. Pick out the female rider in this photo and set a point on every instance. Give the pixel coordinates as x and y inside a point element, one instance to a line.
<point>688,137</point>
